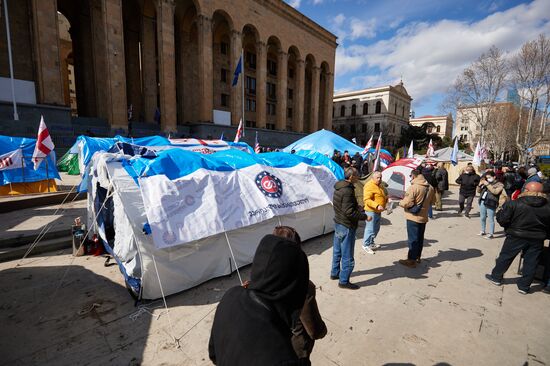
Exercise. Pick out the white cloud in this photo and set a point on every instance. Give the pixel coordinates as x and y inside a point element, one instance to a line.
<point>317,2</point>
<point>431,55</point>
<point>294,3</point>
<point>360,28</point>
<point>338,20</point>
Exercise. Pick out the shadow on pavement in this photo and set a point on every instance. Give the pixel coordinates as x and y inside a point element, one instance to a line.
<point>396,270</point>
<point>403,244</point>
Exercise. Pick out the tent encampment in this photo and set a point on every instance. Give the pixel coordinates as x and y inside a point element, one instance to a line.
<point>17,174</point>
<point>181,218</point>
<point>444,155</point>
<point>397,176</point>
<point>324,142</point>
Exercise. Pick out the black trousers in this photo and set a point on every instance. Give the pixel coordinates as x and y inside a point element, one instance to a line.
<point>532,250</point>
<point>468,200</point>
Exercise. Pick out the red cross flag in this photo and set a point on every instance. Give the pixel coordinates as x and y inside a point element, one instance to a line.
<point>239,131</point>
<point>44,144</point>
<point>430,151</point>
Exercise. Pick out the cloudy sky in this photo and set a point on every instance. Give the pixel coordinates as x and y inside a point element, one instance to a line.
<point>427,42</point>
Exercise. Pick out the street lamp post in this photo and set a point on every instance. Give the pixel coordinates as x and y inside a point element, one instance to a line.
<point>15,115</point>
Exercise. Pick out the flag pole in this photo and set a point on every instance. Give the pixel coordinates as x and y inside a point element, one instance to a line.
<point>47,174</point>
<point>8,36</point>
<point>242,85</point>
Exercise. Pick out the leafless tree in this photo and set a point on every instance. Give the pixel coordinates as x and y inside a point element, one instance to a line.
<point>478,87</point>
<point>501,137</point>
<point>531,77</point>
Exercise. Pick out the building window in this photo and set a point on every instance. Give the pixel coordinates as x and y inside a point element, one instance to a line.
<point>291,73</point>
<point>223,48</point>
<point>353,110</point>
<point>270,126</point>
<point>366,108</point>
<point>352,128</point>
<point>377,127</point>
<point>342,129</point>
<point>250,124</point>
<point>271,109</point>
<point>332,112</point>
<point>271,91</point>
<point>223,75</point>
<point>251,60</point>
<point>364,128</point>
<point>225,100</point>
<point>289,113</point>
<point>272,67</point>
<point>395,109</point>
<point>378,107</point>
<point>251,85</point>
<point>251,105</point>
<point>290,94</point>
<point>438,129</point>
<point>392,128</point>
<point>403,111</point>
<point>342,111</point>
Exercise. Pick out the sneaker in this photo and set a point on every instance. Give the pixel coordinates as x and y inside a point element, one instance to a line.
<point>418,260</point>
<point>481,233</point>
<point>523,292</point>
<point>374,246</point>
<point>334,277</point>
<point>349,286</point>
<point>411,263</point>
<point>493,280</point>
<point>490,236</point>
<point>368,250</point>
<point>467,215</point>
<point>459,212</point>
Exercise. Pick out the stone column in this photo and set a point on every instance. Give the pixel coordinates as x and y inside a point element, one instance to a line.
<point>149,68</point>
<point>329,90</point>
<point>206,95</point>
<point>167,65</point>
<point>236,91</point>
<point>110,75</point>
<point>299,95</point>
<point>46,48</point>
<point>282,67</point>
<point>315,76</point>
<point>261,74</point>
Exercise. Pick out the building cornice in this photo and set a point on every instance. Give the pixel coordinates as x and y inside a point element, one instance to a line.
<point>360,93</point>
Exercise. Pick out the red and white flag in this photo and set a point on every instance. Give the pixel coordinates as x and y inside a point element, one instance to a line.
<point>367,146</point>
<point>430,151</point>
<point>239,131</point>
<point>44,144</point>
<point>257,148</point>
<point>377,153</point>
<point>12,160</point>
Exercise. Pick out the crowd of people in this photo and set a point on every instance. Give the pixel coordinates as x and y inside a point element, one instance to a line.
<point>274,318</point>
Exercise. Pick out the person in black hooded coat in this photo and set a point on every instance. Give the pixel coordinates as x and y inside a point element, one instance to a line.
<point>252,326</point>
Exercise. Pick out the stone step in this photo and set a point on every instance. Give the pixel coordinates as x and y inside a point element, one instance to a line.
<point>44,246</point>
<point>10,204</point>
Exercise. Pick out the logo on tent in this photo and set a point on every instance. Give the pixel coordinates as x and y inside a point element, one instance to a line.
<point>169,237</point>
<point>269,184</point>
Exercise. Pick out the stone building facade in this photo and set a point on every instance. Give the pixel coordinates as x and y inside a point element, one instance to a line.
<point>360,114</point>
<point>170,63</point>
<point>443,125</point>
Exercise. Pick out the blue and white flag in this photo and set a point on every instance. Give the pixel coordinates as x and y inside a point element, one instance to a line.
<point>188,196</point>
<point>454,153</point>
<point>238,71</point>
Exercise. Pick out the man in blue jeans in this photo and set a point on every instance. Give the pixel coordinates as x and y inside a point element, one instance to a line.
<point>346,217</point>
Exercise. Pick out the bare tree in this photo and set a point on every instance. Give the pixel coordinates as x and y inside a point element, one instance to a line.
<point>501,137</point>
<point>531,77</point>
<point>478,88</point>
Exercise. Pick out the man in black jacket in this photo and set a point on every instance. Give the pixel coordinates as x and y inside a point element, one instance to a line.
<point>252,326</point>
<point>468,181</point>
<point>442,179</point>
<point>527,224</point>
<point>346,217</point>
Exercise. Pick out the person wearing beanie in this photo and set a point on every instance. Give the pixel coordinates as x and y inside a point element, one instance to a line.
<point>532,176</point>
<point>252,326</point>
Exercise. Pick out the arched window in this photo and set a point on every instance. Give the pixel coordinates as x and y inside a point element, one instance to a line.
<point>366,108</point>
<point>353,110</point>
<point>438,129</point>
<point>403,111</point>
<point>342,111</point>
<point>378,107</point>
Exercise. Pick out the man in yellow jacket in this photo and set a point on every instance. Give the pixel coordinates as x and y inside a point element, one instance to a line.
<point>421,194</point>
<point>374,199</point>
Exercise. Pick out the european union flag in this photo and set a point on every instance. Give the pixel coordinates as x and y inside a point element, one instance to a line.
<point>237,72</point>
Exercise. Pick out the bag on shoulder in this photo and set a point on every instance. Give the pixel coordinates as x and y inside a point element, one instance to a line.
<point>418,207</point>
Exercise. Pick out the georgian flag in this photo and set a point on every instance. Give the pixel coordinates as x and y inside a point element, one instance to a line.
<point>44,144</point>
<point>377,153</point>
<point>367,146</point>
<point>239,131</point>
<point>430,151</point>
<point>257,148</point>
<point>12,160</point>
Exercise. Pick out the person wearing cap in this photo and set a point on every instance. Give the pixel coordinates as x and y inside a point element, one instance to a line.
<point>346,217</point>
<point>532,176</point>
<point>252,326</point>
<point>526,222</point>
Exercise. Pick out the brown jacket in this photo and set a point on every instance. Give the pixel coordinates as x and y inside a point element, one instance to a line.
<point>496,188</point>
<point>310,327</point>
<point>415,195</point>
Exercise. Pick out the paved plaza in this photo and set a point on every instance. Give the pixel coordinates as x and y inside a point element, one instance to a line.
<point>60,310</point>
